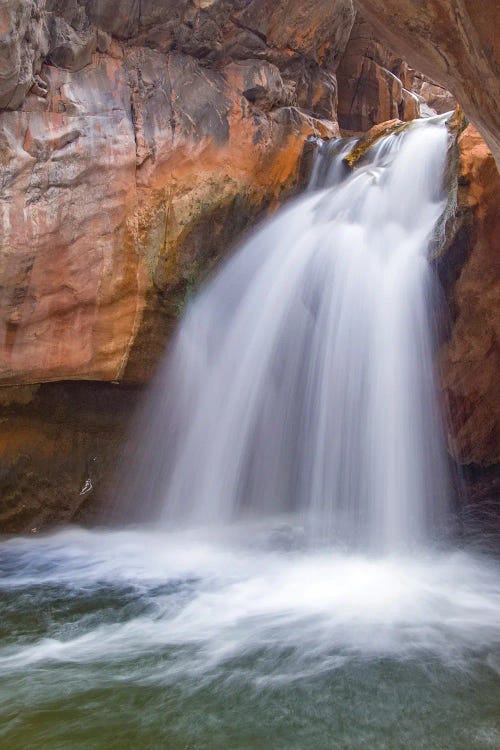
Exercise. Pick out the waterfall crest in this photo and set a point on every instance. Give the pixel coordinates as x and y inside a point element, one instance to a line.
<point>302,378</point>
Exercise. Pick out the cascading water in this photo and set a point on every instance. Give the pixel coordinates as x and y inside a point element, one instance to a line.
<point>302,378</point>
<point>300,387</point>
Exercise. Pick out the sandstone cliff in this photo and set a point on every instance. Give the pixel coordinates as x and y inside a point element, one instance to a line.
<point>137,142</point>
<point>470,359</point>
<point>455,43</point>
<point>144,138</point>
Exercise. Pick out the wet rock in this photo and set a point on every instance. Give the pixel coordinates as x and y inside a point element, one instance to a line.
<point>453,42</point>
<point>372,83</point>
<point>371,137</point>
<point>137,142</point>
<point>470,359</point>
<point>59,444</point>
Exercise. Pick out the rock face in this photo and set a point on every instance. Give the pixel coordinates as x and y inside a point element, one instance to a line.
<point>59,444</point>
<point>137,142</point>
<point>454,42</point>
<point>374,85</point>
<point>135,126</point>
<point>470,360</point>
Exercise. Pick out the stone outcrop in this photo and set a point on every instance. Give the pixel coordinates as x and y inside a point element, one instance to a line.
<point>364,144</point>
<point>137,142</point>
<point>145,137</point>
<point>374,85</point>
<point>437,98</point>
<point>470,359</point>
<point>453,42</point>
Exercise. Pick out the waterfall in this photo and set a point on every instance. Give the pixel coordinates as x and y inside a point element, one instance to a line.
<point>301,381</point>
<point>290,461</point>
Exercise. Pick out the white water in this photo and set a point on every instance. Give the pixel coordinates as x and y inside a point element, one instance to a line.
<point>217,597</point>
<point>302,378</point>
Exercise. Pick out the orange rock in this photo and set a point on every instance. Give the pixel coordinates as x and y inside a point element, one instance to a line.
<point>104,187</point>
<point>453,42</point>
<point>372,83</point>
<point>470,360</point>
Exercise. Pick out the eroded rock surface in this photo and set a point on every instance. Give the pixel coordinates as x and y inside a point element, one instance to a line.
<point>374,85</point>
<point>145,137</point>
<point>470,360</point>
<point>453,42</point>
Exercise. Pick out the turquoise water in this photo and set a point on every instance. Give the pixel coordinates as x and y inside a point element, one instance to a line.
<point>118,639</point>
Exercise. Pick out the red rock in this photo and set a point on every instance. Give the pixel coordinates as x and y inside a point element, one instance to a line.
<point>470,360</point>
<point>369,93</point>
<point>453,42</point>
<point>138,146</point>
<point>111,173</point>
<point>436,97</point>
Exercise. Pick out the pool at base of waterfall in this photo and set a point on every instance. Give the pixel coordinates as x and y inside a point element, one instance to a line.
<point>245,638</point>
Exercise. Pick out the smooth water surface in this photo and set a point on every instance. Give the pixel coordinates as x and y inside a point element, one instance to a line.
<point>244,639</point>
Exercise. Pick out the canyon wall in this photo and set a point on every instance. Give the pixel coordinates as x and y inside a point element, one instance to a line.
<point>138,141</point>
<point>144,139</point>
<point>470,357</point>
<point>454,42</point>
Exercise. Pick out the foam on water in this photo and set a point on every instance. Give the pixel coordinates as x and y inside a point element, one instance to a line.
<point>216,597</point>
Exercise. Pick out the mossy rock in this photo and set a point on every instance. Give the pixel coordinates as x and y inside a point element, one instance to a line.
<point>372,137</point>
<point>457,123</point>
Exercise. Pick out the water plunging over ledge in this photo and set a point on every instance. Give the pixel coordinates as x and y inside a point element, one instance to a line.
<point>302,378</point>
<point>287,593</point>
